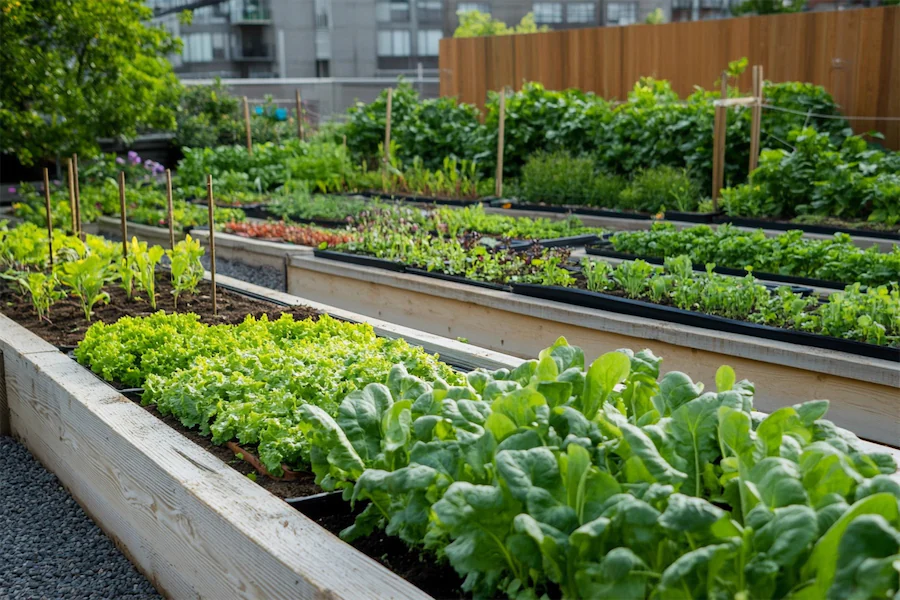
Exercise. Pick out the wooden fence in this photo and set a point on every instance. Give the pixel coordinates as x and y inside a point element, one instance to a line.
<point>854,54</point>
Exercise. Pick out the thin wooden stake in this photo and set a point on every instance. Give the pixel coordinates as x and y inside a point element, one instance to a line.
<point>122,217</point>
<point>719,127</point>
<point>247,126</point>
<point>345,140</point>
<point>756,118</point>
<point>387,127</point>
<point>49,215</point>
<point>299,116</point>
<point>212,241</point>
<point>498,182</point>
<point>77,196</point>
<point>71,185</point>
<point>169,211</point>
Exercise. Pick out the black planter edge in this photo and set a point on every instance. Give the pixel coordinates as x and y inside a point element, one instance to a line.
<point>359,259</point>
<point>639,308</point>
<point>823,229</point>
<point>459,279</point>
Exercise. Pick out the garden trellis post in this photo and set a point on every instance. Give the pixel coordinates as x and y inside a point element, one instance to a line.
<point>498,183</point>
<point>299,115</point>
<point>122,215</point>
<point>71,182</point>
<point>77,195</point>
<point>387,127</point>
<point>212,240</point>
<point>756,118</point>
<point>169,211</point>
<point>720,123</point>
<point>49,215</point>
<point>247,126</point>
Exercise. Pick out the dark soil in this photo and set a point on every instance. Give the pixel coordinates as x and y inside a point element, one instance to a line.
<point>67,323</point>
<point>423,570</point>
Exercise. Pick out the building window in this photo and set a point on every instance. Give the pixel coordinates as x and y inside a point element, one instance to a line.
<point>621,13</point>
<point>428,42</point>
<point>218,46</point>
<point>395,11</point>
<point>464,7</point>
<point>323,44</point>
<point>198,47</point>
<point>580,12</point>
<point>429,11</point>
<point>393,43</point>
<point>323,14</point>
<point>323,68</point>
<point>547,12</point>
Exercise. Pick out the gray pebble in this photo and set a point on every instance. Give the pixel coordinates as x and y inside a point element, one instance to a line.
<point>268,277</point>
<point>50,548</point>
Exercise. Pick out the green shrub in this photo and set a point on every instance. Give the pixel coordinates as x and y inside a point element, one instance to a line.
<point>560,178</point>
<point>660,189</point>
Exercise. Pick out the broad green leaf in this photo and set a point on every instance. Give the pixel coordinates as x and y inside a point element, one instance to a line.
<point>686,513</point>
<point>725,378</point>
<point>643,462</point>
<point>604,374</point>
<point>693,426</point>
<point>867,561</point>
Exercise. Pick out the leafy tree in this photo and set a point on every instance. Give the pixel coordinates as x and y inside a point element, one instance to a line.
<point>657,17</point>
<point>768,7</point>
<point>78,70</point>
<point>475,23</point>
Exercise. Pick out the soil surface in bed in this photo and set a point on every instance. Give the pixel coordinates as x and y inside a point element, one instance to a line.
<point>68,326</point>
<point>67,323</point>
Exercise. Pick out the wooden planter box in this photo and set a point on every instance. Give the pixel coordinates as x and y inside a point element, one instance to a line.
<point>864,391</point>
<point>251,251</point>
<point>155,236</point>
<point>193,525</point>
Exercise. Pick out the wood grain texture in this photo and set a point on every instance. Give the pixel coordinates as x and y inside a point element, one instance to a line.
<point>193,525</point>
<point>854,54</point>
<point>863,391</point>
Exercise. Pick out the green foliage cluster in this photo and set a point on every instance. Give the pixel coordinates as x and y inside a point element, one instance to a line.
<point>836,259</point>
<point>607,480</point>
<point>850,181</point>
<point>209,116</point>
<point>324,165</point>
<point>452,179</point>
<point>248,381</point>
<point>870,315</point>
<point>474,23</point>
<point>465,256</point>
<point>74,72</point>
<point>431,129</point>
<point>458,221</point>
<point>84,268</point>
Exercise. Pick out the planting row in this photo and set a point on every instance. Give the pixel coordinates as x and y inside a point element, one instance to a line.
<point>85,269</point>
<point>866,315</point>
<point>558,477</point>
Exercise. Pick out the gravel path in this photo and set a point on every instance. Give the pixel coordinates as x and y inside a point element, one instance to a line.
<point>48,547</point>
<point>265,276</point>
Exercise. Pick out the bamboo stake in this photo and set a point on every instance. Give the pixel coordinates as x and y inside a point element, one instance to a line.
<point>169,211</point>
<point>247,126</point>
<point>122,218</point>
<point>212,241</point>
<point>299,116</point>
<point>49,215</point>
<point>498,182</point>
<point>71,185</point>
<point>77,195</point>
<point>345,140</point>
<point>387,127</point>
<point>719,127</point>
<point>756,118</point>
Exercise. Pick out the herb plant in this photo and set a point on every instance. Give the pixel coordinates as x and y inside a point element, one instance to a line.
<point>185,265</point>
<point>144,260</point>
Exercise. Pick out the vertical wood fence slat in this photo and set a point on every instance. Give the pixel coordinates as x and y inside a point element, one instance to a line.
<point>49,215</point>
<point>854,54</point>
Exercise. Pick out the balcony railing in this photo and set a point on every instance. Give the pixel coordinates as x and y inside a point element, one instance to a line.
<point>251,12</point>
<point>254,53</point>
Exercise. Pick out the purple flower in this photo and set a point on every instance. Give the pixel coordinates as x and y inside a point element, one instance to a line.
<point>56,182</point>
<point>12,190</point>
<point>120,160</point>
<point>133,157</point>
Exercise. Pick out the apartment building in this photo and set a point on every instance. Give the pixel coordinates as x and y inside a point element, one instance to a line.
<point>354,38</point>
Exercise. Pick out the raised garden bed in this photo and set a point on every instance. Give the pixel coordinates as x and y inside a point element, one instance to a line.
<point>863,390</point>
<point>173,506</point>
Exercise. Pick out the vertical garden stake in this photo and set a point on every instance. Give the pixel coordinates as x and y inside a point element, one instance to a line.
<point>49,215</point>
<point>756,118</point>
<point>299,116</point>
<point>77,195</point>
<point>247,126</point>
<point>71,183</point>
<point>719,127</point>
<point>387,138</point>
<point>122,214</point>
<point>498,183</point>
<point>212,241</point>
<point>169,211</point>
